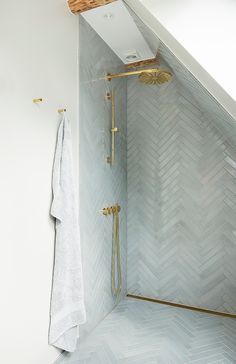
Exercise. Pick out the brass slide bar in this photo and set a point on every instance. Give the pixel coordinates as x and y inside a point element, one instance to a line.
<point>180,305</point>
<point>114,129</point>
<point>110,76</point>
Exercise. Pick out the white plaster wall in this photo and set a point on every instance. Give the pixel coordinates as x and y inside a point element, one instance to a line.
<point>200,34</point>
<point>38,42</point>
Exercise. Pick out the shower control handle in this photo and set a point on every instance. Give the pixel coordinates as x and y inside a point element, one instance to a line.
<point>111,210</point>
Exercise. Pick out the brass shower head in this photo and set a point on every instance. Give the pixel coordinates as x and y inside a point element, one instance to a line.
<point>157,77</point>
<point>154,76</point>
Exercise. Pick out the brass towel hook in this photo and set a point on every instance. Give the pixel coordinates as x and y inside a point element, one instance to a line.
<point>36,101</point>
<point>61,110</point>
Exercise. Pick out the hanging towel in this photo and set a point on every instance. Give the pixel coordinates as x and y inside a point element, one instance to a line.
<point>67,301</point>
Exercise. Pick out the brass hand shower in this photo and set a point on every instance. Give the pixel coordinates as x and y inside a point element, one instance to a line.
<point>116,282</point>
<point>116,261</point>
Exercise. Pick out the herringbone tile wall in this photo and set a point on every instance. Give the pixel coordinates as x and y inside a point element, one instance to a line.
<point>208,105</point>
<point>100,185</point>
<point>181,155</point>
<point>181,193</point>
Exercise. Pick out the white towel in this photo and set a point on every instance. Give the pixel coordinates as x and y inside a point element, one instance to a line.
<point>67,302</point>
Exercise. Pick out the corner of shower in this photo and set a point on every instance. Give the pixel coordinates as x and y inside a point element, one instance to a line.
<point>148,206</point>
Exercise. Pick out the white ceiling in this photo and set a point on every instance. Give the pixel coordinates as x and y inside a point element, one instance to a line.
<point>117,28</point>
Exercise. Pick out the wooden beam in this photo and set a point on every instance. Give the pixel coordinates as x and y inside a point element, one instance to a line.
<point>78,6</point>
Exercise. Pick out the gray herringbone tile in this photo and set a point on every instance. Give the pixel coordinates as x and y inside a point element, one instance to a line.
<point>147,333</point>
<point>181,193</point>
<point>181,215</point>
<point>100,185</point>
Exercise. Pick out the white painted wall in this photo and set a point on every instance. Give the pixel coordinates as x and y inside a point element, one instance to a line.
<point>202,35</point>
<point>38,42</point>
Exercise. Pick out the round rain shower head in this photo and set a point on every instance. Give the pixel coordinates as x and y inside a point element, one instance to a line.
<point>156,77</point>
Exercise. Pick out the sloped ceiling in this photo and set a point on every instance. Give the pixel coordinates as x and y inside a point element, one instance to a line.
<point>148,12</point>
<point>214,110</point>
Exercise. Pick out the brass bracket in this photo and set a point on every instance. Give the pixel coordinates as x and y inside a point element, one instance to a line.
<point>114,130</point>
<point>108,77</point>
<point>108,96</point>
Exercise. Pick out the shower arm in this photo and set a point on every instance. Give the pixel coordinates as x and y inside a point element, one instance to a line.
<point>110,76</point>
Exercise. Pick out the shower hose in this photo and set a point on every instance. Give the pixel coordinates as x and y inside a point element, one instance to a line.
<point>116,263</point>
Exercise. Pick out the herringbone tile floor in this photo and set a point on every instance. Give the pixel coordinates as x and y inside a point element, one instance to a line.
<point>139,332</point>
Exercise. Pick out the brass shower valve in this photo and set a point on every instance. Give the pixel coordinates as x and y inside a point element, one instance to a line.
<point>111,210</point>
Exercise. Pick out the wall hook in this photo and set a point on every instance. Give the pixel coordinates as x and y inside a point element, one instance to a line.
<point>35,101</point>
<point>61,110</point>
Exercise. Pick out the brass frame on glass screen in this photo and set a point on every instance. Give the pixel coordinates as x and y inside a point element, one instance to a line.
<point>181,305</point>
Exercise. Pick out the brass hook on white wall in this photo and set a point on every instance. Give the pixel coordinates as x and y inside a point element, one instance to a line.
<point>35,101</point>
<point>61,110</point>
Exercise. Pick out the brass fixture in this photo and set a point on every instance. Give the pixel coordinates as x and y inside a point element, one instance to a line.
<point>108,96</point>
<point>35,101</point>
<point>110,210</point>
<point>180,305</point>
<point>116,283</point>
<point>61,110</point>
<point>114,129</point>
<point>152,76</point>
<point>155,78</point>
